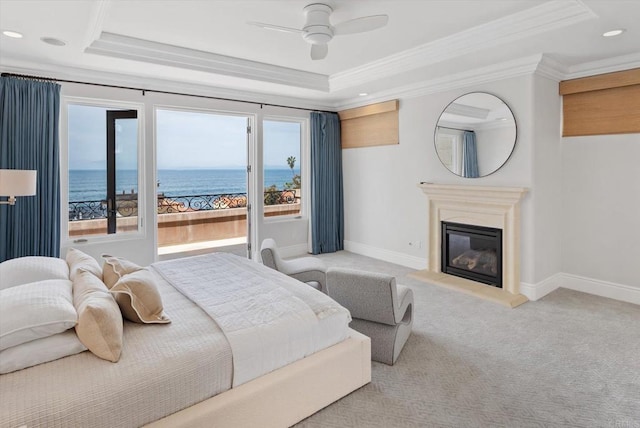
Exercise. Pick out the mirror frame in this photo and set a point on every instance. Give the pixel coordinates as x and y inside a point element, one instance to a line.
<point>513,146</point>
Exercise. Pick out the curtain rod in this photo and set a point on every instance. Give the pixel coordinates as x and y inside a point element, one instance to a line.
<point>51,79</point>
<point>457,129</point>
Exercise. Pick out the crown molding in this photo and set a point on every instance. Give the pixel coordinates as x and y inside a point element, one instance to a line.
<point>474,77</point>
<point>609,65</point>
<point>540,64</point>
<point>509,69</point>
<point>551,69</point>
<point>535,64</point>
<point>139,82</point>
<point>536,20</point>
<point>99,13</point>
<point>120,46</point>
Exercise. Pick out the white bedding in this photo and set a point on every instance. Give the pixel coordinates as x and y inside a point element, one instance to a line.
<point>269,319</point>
<point>163,368</point>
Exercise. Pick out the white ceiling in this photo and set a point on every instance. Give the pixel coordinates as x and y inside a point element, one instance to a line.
<point>210,44</point>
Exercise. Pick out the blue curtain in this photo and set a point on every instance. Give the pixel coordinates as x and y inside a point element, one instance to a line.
<point>327,206</point>
<point>469,155</point>
<point>29,111</point>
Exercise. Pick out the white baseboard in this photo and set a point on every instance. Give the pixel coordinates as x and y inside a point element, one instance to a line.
<point>541,289</point>
<point>533,292</point>
<point>386,255</point>
<point>598,287</point>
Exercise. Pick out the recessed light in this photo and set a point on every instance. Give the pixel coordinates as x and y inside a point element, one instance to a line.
<point>53,41</point>
<point>613,33</point>
<point>363,94</point>
<point>12,34</point>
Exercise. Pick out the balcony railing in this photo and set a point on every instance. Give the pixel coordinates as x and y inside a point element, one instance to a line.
<point>127,207</point>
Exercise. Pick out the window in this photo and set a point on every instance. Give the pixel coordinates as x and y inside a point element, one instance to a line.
<point>449,149</point>
<point>103,170</point>
<point>282,167</point>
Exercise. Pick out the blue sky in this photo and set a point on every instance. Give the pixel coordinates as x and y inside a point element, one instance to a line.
<point>185,140</point>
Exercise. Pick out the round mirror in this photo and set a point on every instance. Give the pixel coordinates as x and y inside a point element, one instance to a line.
<point>475,135</point>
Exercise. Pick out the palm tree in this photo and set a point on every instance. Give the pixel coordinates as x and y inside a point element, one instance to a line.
<point>295,182</point>
<point>291,160</point>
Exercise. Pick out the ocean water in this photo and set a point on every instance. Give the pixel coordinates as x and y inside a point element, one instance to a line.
<point>91,185</point>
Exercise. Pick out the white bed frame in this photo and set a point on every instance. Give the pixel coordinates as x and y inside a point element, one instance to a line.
<point>287,395</point>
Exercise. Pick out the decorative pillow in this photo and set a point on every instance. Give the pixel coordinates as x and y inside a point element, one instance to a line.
<point>78,260</point>
<point>115,268</point>
<point>24,270</point>
<point>99,325</point>
<point>40,351</point>
<point>35,310</point>
<point>139,299</point>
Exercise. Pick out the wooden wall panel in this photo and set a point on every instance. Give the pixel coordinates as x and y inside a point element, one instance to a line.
<point>601,105</point>
<point>372,125</point>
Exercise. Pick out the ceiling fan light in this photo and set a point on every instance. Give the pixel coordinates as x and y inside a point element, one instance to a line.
<point>317,38</point>
<point>317,34</point>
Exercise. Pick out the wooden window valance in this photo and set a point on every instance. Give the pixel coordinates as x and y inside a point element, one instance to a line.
<point>603,104</point>
<point>372,125</point>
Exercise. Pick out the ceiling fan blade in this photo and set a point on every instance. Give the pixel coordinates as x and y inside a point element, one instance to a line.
<point>319,51</point>
<point>275,27</point>
<point>360,25</point>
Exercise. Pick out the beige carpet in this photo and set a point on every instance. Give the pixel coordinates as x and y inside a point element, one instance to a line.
<point>567,360</point>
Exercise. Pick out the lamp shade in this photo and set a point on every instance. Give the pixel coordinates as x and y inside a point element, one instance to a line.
<point>17,182</point>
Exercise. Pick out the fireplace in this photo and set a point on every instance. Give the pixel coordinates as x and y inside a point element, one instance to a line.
<point>490,208</point>
<point>472,252</point>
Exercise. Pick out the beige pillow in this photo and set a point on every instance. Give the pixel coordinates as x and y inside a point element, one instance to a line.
<point>78,260</point>
<point>139,298</point>
<point>115,268</point>
<point>99,325</point>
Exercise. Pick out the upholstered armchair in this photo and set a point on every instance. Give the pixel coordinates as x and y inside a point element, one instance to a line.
<point>380,309</point>
<point>307,269</point>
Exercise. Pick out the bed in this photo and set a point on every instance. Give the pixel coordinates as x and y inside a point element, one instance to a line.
<point>183,374</point>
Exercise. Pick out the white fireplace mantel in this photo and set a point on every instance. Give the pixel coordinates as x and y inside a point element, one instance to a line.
<point>496,207</point>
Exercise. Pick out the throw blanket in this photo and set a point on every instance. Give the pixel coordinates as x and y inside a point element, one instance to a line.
<point>266,325</point>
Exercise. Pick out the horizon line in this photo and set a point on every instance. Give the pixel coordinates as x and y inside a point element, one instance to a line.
<point>190,168</point>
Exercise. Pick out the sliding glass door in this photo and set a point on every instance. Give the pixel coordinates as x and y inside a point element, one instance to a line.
<point>202,182</point>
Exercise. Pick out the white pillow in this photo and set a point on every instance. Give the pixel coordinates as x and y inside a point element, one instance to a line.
<point>32,311</point>
<point>40,351</point>
<point>24,270</point>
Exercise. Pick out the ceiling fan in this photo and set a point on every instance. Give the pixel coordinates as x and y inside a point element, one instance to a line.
<point>318,30</point>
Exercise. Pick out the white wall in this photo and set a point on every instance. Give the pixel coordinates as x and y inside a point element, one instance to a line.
<point>579,220</point>
<point>385,210</point>
<point>546,191</point>
<point>601,208</point>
